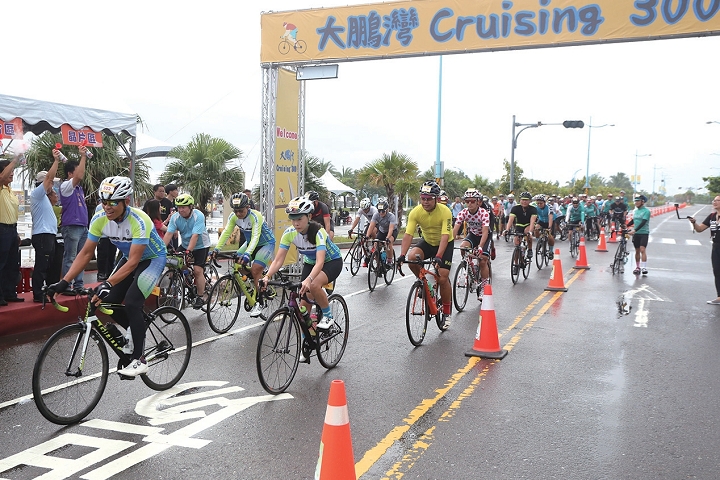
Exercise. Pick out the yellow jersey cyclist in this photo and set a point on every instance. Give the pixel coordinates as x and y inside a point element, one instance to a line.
<point>435,221</point>
<point>190,222</point>
<point>322,260</point>
<point>478,232</point>
<point>523,217</point>
<point>259,245</point>
<point>136,274</point>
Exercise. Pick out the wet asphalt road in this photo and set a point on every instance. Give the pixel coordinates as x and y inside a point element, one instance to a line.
<point>585,392</point>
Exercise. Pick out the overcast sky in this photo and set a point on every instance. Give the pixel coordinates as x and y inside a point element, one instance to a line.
<point>188,70</point>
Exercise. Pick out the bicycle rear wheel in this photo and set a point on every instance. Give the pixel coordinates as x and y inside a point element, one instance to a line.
<point>356,259</point>
<point>574,245</point>
<point>619,260</point>
<point>461,286</point>
<point>526,266</point>
<point>416,314</point>
<point>390,266</point>
<point>167,348</point>
<point>224,304</point>
<point>374,270</point>
<point>172,292</point>
<point>515,263</point>
<point>67,386</point>
<point>331,342</point>
<point>278,351</point>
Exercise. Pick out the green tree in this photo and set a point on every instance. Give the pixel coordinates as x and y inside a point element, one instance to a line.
<point>712,185</point>
<point>106,162</point>
<point>519,182</point>
<point>314,169</point>
<point>620,181</point>
<point>395,173</point>
<point>203,169</point>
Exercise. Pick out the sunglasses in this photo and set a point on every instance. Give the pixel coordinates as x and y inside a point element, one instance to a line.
<point>471,200</point>
<point>110,203</point>
<point>426,198</point>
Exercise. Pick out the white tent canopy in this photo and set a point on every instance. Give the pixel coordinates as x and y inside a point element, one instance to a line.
<point>39,116</point>
<point>334,185</point>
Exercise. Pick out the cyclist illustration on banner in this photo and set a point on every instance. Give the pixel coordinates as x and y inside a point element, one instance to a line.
<point>290,36</point>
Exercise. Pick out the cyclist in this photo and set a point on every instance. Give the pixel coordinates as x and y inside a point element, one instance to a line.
<point>136,274</point>
<point>190,222</point>
<point>507,206</point>
<point>322,261</point>
<point>575,216</point>
<point>384,223</point>
<point>545,217</point>
<point>259,245</point>
<point>478,233</point>
<point>524,217</point>
<point>591,216</point>
<point>618,212</point>
<point>435,220</point>
<point>321,213</point>
<point>640,233</point>
<point>366,212</point>
<point>443,198</point>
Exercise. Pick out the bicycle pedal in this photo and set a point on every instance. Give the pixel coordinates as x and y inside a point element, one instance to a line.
<point>125,377</point>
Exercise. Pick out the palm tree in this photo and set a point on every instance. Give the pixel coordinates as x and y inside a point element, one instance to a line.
<point>202,170</point>
<point>314,169</point>
<point>106,162</point>
<point>396,172</point>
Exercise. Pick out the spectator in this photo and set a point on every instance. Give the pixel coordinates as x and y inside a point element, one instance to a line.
<point>74,218</point>
<point>152,208</point>
<point>171,190</point>
<point>248,192</point>
<point>166,206</point>
<point>9,239</point>
<point>44,229</point>
<point>712,222</point>
<point>56,266</point>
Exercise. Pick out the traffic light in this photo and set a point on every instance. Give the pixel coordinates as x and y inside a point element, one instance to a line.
<point>573,124</point>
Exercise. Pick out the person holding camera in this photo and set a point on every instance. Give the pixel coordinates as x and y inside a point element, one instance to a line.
<point>711,222</point>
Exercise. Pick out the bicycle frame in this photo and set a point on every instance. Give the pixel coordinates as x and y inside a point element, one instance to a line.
<point>242,274</point>
<point>422,276</point>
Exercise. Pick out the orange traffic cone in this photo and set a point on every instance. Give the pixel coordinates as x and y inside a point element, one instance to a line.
<point>581,262</point>
<point>487,344</point>
<point>557,283</point>
<point>602,247</point>
<point>336,461</point>
<point>613,238</point>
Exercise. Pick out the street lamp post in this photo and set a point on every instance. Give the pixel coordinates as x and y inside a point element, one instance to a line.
<point>587,169</point>
<point>514,145</point>
<point>636,176</point>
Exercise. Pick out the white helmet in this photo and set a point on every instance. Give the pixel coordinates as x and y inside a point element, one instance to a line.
<point>365,203</point>
<point>115,188</point>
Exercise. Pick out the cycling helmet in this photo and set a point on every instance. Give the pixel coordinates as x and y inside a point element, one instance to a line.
<point>365,203</point>
<point>525,195</point>
<point>184,200</point>
<point>599,195</point>
<point>593,197</point>
<point>471,193</point>
<point>641,197</point>
<point>312,195</point>
<point>510,196</point>
<point>383,206</point>
<point>430,188</point>
<point>540,198</point>
<point>485,198</point>
<point>443,198</point>
<point>494,197</point>
<point>575,200</point>
<point>299,206</point>
<point>115,188</point>
<point>239,200</point>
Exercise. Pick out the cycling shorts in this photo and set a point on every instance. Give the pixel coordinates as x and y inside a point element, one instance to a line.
<point>474,240</point>
<point>200,256</point>
<point>640,240</point>
<point>430,252</point>
<point>331,269</point>
<point>263,254</point>
<point>384,235</point>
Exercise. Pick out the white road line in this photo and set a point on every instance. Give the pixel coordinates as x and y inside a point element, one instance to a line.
<point>692,242</point>
<point>670,241</point>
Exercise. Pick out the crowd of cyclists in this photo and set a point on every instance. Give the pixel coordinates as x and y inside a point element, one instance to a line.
<point>473,219</point>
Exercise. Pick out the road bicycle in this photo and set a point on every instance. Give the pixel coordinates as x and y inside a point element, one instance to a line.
<point>423,301</point>
<point>575,233</point>
<point>177,284</point>
<point>290,335</point>
<point>359,251</point>
<point>467,277</point>
<point>520,261</point>
<point>543,250</point>
<point>227,294</point>
<point>71,371</point>
<point>621,254</point>
<point>381,263</point>
<point>563,229</point>
<point>285,45</point>
<point>593,230</point>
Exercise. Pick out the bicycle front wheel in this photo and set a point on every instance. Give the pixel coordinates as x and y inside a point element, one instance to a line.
<point>223,304</point>
<point>390,266</point>
<point>273,298</point>
<point>167,348</point>
<point>278,351</point>
<point>515,265</point>
<point>540,252</point>
<point>172,293</point>
<point>331,342</point>
<point>416,314</point>
<point>356,259</point>
<point>574,245</point>
<point>374,270</point>
<point>461,286</point>
<point>618,265</point>
<point>66,384</point>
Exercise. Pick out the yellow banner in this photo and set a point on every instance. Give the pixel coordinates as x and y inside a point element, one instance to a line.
<point>287,156</point>
<point>423,27</point>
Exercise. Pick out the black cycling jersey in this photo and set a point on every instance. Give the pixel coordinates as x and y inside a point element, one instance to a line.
<point>523,215</point>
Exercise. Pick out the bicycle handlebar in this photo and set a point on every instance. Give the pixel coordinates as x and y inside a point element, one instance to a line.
<point>418,261</point>
<point>64,309</point>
